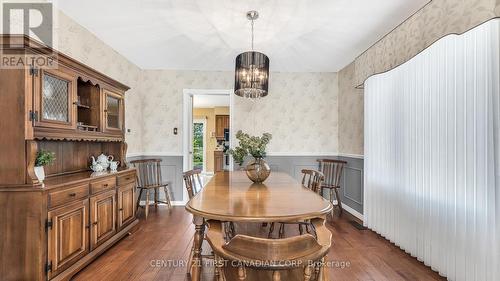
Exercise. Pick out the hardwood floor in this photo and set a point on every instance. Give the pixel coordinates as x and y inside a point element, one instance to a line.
<point>159,248</point>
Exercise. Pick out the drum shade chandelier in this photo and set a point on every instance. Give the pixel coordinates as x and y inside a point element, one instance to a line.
<point>252,70</point>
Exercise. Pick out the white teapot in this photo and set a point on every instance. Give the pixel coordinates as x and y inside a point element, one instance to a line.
<point>103,160</point>
<point>96,167</point>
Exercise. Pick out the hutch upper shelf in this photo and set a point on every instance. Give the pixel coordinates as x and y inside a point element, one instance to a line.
<point>67,102</point>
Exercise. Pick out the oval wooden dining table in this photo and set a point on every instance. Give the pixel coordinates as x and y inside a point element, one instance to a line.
<point>232,197</point>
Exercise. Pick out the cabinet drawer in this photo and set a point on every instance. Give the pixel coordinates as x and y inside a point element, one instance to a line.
<point>68,194</point>
<point>102,185</point>
<point>125,179</point>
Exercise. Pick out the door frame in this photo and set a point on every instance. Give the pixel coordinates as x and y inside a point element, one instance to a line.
<point>187,123</point>
<point>204,122</point>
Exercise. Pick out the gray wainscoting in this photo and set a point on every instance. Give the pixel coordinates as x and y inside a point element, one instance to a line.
<point>352,183</point>
<point>171,171</point>
<point>351,192</point>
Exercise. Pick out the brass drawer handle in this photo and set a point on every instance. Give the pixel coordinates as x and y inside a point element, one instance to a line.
<point>105,185</point>
<point>95,223</point>
<point>72,194</point>
<point>121,209</point>
<point>127,179</point>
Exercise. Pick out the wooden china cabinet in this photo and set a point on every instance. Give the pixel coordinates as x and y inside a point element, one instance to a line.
<point>51,230</point>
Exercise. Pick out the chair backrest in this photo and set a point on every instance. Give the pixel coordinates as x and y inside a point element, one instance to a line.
<point>298,255</point>
<point>192,182</point>
<point>148,172</point>
<point>312,180</point>
<point>332,169</point>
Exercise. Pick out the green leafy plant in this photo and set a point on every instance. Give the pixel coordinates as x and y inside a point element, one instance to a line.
<point>250,145</point>
<point>44,158</point>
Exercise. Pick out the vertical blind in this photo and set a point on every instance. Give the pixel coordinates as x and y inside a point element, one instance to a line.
<point>432,155</point>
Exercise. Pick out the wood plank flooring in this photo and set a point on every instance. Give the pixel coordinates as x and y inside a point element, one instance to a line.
<point>159,249</point>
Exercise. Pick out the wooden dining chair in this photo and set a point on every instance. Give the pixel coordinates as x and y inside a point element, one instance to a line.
<point>312,180</point>
<point>149,178</point>
<point>332,170</point>
<point>249,258</point>
<point>192,182</point>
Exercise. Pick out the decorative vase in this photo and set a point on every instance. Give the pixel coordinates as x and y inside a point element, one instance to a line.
<point>40,173</point>
<point>258,170</point>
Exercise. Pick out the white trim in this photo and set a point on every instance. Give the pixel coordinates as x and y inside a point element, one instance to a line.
<point>178,203</point>
<point>358,156</point>
<point>174,203</point>
<point>187,118</point>
<point>352,212</point>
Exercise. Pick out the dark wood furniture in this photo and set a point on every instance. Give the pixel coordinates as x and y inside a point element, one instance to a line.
<point>232,197</point>
<point>312,180</point>
<point>221,123</point>
<point>149,178</point>
<point>51,230</point>
<point>218,161</point>
<point>333,170</point>
<point>250,258</point>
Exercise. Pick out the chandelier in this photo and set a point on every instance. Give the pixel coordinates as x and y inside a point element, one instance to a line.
<point>252,70</point>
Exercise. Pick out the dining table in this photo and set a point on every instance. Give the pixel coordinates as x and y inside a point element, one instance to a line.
<point>232,197</point>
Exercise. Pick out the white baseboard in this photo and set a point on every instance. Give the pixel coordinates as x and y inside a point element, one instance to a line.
<point>178,203</point>
<point>352,212</point>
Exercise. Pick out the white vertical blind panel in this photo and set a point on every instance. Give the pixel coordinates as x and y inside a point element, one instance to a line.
<point>432,155</point>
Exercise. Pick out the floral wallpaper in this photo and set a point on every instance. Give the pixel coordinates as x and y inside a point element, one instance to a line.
<point>434,21</point>
<point>300,110</point>
<point>80,44</point>
<point>351,123</point>
<point>162,103</point>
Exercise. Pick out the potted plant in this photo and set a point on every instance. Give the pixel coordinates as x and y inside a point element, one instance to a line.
<point>43,158</point>
<point>257,169</point>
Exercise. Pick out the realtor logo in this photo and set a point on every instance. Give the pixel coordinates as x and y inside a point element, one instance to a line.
<point>34,19</point>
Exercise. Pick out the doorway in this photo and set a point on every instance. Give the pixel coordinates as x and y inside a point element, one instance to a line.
<point>205,143</point>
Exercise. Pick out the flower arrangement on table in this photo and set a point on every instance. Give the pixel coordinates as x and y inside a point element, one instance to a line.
<point>257,170</point>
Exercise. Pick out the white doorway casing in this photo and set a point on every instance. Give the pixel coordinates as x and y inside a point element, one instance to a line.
<point>187,126</point>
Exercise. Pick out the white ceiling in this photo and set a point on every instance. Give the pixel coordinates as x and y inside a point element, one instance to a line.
<point>209,101</point>
<point>297,35</point>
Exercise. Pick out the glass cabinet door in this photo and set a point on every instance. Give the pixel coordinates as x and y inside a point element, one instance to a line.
<point>55,99</point>
<point>113,111</point>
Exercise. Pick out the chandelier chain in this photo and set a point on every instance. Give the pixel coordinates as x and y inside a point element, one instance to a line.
<point>252,34</point>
